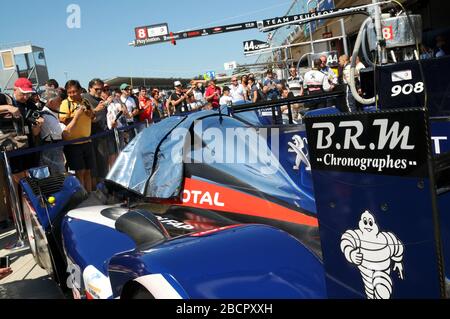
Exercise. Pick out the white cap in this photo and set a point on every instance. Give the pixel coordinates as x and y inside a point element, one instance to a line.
<point>176,83</point>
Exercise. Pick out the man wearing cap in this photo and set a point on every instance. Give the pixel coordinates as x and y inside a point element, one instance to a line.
<point>17,106</point>
<point>23,89</point>
<point>226,98</point>
<point>271,83</point>
<point>179,98</point>
<point>127,101</point>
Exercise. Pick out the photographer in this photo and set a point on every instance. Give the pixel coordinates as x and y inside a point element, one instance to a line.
<point>77,115</point>
<point>179,98</point>
<point>51,132</point>
<point>102,146</point>
<point>16,113</point>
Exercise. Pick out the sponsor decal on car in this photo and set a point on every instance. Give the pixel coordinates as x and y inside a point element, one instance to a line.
<point>97,285</point>
<point>226,199</point>
<point>200,197</point>
<point>174,223</point>
<point>376,254</point>
<point>382,143</point>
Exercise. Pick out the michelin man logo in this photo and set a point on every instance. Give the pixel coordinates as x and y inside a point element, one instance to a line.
<point>298,147</point>
<point>373,252</point>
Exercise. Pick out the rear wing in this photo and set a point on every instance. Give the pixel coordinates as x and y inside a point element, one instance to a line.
<point>375,186</point>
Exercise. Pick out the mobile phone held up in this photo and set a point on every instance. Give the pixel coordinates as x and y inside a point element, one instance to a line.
<point>4,262</point>
<point>119,115</point>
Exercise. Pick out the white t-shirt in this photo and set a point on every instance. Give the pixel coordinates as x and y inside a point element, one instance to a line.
<point>237,93</point>
<point>195,105</point>
<point>198,95</point>
<point>316,81</point>
<point>225,100</point>
<point>131,106</point>
<point>113,110</point>
<point>358,69</point>
<point>346,73</point>
<point>52,128</point>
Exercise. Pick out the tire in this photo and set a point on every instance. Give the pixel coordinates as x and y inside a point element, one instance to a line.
<point>134,290</point>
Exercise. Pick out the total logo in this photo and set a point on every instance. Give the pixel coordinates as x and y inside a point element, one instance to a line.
<point>202,198</point>
<point>389,135</point>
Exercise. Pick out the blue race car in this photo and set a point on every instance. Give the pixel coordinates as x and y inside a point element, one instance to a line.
<point>193,231</point>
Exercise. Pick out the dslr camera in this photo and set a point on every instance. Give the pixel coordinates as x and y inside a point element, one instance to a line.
<point>32,116</point>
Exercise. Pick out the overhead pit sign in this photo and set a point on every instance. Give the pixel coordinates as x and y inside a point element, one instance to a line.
<point>252,46</point>
<point>152,31</point>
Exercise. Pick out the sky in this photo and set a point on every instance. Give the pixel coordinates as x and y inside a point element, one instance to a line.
<point>99,48</point>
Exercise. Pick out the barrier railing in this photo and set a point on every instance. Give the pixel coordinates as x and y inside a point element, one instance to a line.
<point>275,105</point>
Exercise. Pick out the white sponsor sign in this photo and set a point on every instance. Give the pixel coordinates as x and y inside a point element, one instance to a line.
<point>402,76</point>
<point>230,65</point>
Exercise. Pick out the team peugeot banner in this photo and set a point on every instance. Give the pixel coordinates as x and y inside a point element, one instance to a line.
<point>264,25</point>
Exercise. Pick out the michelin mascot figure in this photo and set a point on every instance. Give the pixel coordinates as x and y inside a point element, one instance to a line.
<point>374,253</point>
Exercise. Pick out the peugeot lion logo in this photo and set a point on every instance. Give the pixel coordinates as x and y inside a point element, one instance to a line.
<point>374,253</point>
<point>298,147</point>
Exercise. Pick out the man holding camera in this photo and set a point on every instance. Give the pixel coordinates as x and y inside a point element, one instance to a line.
<point>179,98</point>
<point>21,106</point>
<point>51,132</point>
<point>21,110</point>
<point>103,146</point>
<point>77,115</point>
<point>18,128</point>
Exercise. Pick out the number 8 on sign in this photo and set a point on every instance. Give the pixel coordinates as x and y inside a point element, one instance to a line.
<point>388,33</point>
<point>141,33</point>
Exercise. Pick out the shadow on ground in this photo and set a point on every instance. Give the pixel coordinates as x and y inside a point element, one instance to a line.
<point>28,280</point>
<point>39,288</point>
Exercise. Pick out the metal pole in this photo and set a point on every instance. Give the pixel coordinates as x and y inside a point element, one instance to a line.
<point>381,50</point>
<point>18,222</point>
<point>344,37</point>
<point>310,27</point>
<point>291,119</point>
<point>116,137</point>
<point>311,38</point>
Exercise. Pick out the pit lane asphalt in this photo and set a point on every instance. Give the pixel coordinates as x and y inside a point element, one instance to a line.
<point>28,280</point>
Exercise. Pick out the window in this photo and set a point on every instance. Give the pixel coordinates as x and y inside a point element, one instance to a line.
<point>39,57</point>
<point>22,62</point>
<point>7,60</point>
